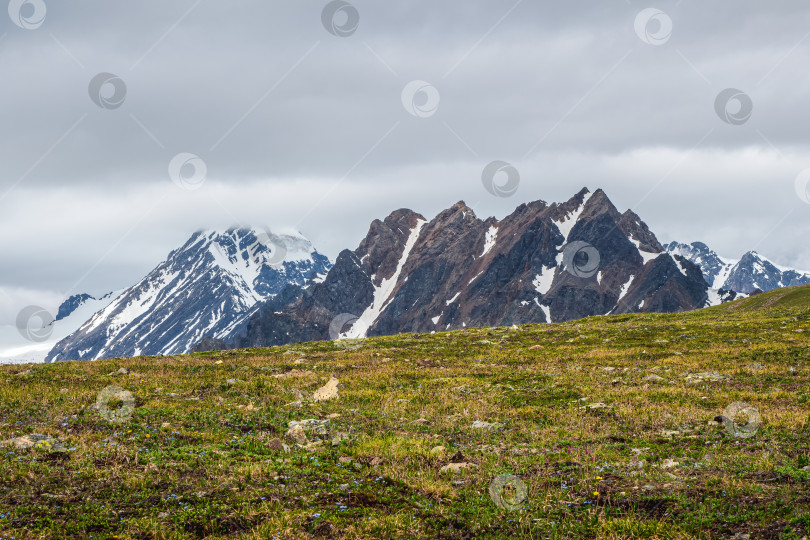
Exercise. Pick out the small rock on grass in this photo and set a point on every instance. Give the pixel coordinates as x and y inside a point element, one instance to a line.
<point>654,378</point>
<point>300,431</point>
<point>293,373</point>
<point>669,463</point>
<point>596,406</point>
<point>35,440</point>
<point>328,391</point>
<point>456,468</point>
<point>278,446</point>
<point>437,450</point>
<point>487,425</point>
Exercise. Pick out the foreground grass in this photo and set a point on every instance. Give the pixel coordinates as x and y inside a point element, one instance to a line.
<point>197,457</point>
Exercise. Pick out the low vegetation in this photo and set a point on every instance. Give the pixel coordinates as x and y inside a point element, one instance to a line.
<point>609,427</point>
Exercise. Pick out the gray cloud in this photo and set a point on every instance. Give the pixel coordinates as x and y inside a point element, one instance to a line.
<point>281,111</point>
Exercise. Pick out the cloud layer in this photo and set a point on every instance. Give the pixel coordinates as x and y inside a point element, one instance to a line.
<point>300,127</point>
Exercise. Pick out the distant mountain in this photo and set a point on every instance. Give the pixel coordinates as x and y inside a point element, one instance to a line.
<point>542,263</point>
<point>73,312</point>
<point>745,275</point>
<point>207,287</point>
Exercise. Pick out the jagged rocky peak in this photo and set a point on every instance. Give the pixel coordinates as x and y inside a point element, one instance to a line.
<point>382,247</point>
<point>456,271</point>
<point>637,230</point>
<point>571,208</point>
<point>72,304</point>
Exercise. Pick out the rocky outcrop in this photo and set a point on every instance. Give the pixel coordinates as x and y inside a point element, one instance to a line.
<point>542,263</point>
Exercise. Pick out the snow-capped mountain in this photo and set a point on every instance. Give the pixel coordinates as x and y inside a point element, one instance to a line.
<point>542,263</point>
<point>745,275</point>
<point>205,288</point>
<point>75,311</point>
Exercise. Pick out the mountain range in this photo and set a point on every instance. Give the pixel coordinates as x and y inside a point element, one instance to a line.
<point>752,272</point>
<point>207,287</point>
<point>542,263</point>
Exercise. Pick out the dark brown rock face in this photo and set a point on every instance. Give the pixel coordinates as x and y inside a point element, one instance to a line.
<point>542,263</point>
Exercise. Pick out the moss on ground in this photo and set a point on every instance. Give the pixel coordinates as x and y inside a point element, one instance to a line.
<point>609,422</point>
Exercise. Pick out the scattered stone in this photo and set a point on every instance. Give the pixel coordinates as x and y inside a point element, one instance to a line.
<point>23,373</point>
<point>654,378</point>
<point>297,435</point>
<point>313,446</point>
<point>639,450</point>
<point>375,462</point>
<point>486,425</point>
<point>343,487</point>
<point>231,382</point>
<point>456,468</point>
<point>334,415</point>
<point>328,391</point>
<point>742,536</point>
<point>437,450</point>
<point>121,371</point>
<point>339,437</point>
<point>421,422</point>
<point>670,433</point>
<point>293,373</point>
<point>536,347</point>
<point>756,366</point>
<point>218,362</point>
<point>345,459</point>
<point>165,425</point>
<point>163,515</point>
<point>609,369</point>
<point>63,390</point>
<point>596,406</point>
<point>648,487</point>
<point>35,440</point>
<point>711,376</point>
<point>617,382</point>
<point>669,463</point>
<point>278,446</point>
<point>301,431</point>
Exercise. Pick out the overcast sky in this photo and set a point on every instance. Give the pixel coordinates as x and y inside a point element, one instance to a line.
<point>299,127</point>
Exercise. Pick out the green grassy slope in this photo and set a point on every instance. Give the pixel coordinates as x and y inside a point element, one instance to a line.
<point>607,422</point>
